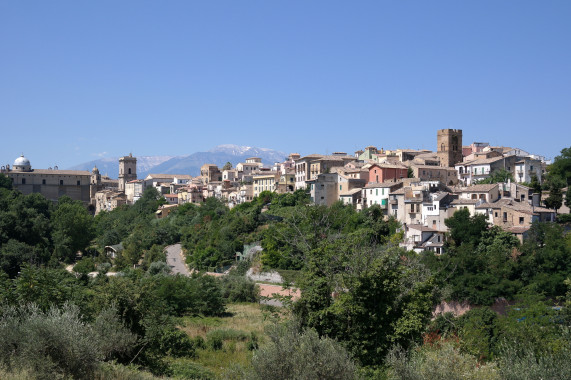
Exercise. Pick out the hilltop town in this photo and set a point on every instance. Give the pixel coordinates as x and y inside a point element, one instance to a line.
<point>420,188</point>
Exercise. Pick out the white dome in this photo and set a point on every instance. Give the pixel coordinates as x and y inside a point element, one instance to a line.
<point>22,163</point>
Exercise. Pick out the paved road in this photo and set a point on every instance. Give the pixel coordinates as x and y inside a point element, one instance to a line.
<point>175,259</point>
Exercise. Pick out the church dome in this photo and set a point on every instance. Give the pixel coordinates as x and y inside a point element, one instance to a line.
<point>22,163</point>
<point>95,170</point>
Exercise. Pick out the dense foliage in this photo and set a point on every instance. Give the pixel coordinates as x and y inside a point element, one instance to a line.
<point>365,306</point>
<point>482,263</point>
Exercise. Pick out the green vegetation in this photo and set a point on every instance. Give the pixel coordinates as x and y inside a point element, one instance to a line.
<point>365,308</point>
<point>482,264</point>
<point>498,176</point>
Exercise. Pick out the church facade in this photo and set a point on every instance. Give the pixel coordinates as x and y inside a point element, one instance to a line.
<point>80,185</point>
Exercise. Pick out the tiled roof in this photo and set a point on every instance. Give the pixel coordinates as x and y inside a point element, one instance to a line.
<point>463,201</point>
<point>475,188</point>
<point>481,161</point>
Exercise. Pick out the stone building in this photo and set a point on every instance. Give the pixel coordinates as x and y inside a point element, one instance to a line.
<point>127,170</point>
<point>52,183</point>
<point>449,144</point>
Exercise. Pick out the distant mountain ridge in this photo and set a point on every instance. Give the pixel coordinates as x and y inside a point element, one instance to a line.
<point>189,164</point>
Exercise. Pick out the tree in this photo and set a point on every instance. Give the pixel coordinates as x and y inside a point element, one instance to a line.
<point>464,228</point>
<point>5,182</point>
<point>73,228</point>
<point>227,166</point>
<point>555,199</point>
<point>409,173</point>
<point>534,184</point>
<point>498,176</point>
<point>367,298</point>
<point>561,167</point>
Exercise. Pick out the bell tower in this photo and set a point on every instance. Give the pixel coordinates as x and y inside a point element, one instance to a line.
<point>449,147</point>
<point>127,170</point>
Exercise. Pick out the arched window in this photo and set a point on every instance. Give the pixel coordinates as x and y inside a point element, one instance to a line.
<point>442,147</point>
<point>129,170</point>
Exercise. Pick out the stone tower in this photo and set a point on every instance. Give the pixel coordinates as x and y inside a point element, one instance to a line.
<point>127,170</point>
<point>94,183</point>
<point>449,143</point>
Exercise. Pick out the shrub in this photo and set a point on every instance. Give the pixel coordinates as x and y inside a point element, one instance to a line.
<point>300,355</point>
<point>199,342</point>
<point>159,267</point>
<point>215,343</point>
<point>84,266</point>
<point>438,362</point>
<point>239,289</point>
<point>182,369</point>
<point>57,342</point>
<point>524,364</point>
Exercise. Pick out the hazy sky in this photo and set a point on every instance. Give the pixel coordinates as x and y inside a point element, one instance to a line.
<point>83,79</point>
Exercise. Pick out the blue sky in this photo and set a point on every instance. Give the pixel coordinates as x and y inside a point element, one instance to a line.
<point>81,80</point>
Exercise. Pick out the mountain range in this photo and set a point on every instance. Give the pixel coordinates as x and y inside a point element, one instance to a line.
<point>187,164</point>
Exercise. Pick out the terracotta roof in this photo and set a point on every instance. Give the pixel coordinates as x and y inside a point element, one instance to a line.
<point>382,184</point>
<point>481,161</point>
<point>390,166</point>
<point>464,201</point>
<point>475,188</point>
<point>421,227</point>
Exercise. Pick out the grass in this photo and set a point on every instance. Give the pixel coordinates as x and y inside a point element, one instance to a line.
<point>235,331</point>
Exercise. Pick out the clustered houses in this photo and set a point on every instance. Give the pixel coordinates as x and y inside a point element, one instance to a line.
<point>440,184</point>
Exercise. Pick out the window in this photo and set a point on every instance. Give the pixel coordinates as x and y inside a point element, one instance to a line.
<point>521,220</point>
<point>23,181</point>
<point>43,181</point>
<point>61,182</point>
<point>376,191</point>
<point>340,187</point>
<point>496,214</point>
<point>129,170</point>
<point>78,183</point>
<point>505,216</point>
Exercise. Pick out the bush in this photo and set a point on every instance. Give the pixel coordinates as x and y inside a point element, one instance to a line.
<point>199,342</point>
<point>439,362</point>
<point>159,267</point>
<point>57,342</point>
<point>84,266</point>
<point>215,343</point>
<point>518,364</point>
<point>182,369</point>
<point>239,289</point>
<point>300,355</point>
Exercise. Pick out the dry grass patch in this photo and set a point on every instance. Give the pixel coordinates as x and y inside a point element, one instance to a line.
<point>235,331</point>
